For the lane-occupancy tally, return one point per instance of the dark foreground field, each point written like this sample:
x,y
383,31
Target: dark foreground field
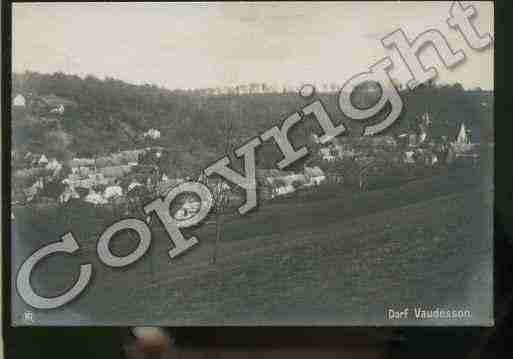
x,y
329,259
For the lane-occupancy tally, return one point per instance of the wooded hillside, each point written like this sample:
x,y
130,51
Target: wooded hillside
x,y
111,115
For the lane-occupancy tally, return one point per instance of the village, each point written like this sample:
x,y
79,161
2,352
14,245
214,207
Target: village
x,y
124,179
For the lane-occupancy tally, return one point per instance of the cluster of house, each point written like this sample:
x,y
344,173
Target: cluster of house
x,y
410,147
152,133
108,179
85,174
46,103
273,183
117,178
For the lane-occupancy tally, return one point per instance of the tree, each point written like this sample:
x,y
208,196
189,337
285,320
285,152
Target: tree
x,y
363,171
297,184
53,188
57,145
219,188
356,173
221,195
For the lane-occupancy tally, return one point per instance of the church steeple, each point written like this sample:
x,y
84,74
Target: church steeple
x,y
463,135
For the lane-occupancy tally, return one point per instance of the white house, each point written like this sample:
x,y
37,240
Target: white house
x,y
59,109
54,103
19,101
133,185
42,160
152,133
78,180
82,162
279,182
112,192
293,178
189,208
281,190
326,154
54,165
315,175
409,157
95,198
68,194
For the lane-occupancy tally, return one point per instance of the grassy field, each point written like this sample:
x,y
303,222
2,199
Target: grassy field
x,y
328,258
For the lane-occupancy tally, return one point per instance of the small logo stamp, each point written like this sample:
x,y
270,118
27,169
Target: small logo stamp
x,y
28,317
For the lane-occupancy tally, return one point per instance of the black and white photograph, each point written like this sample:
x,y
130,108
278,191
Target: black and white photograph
x,y
252,163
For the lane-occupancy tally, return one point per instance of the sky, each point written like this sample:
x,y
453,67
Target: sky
x,y
198,45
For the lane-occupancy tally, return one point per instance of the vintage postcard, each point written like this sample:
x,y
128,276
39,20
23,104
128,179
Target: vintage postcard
x,y
229,164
